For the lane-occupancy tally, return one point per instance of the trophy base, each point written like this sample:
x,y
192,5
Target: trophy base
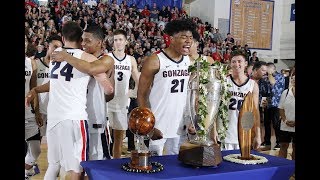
x,y
140,161
200,155
247,158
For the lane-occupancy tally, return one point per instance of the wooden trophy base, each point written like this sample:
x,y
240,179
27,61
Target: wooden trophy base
x,y
140,160
200,155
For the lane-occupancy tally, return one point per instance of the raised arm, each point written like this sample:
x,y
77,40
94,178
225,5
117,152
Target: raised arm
x,y
87,63
149,69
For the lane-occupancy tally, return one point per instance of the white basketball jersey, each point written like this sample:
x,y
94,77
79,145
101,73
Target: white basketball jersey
x,y
238,92
42,78
68,91
96,105
169,93
122,76
28,72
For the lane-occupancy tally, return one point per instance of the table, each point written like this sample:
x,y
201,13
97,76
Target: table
x,y
276,168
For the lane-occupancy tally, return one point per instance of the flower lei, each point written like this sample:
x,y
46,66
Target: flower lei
x,y
235,159
202,102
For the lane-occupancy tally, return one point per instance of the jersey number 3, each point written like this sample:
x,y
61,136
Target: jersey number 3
x,y
65,71
120,76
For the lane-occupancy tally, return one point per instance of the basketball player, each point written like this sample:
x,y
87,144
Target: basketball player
x,y
164,89
33,118
125,66
186,128
194,51
55,41
241,84
67,130
92,42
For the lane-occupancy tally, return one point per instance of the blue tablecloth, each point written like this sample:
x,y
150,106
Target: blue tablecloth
x,y
276,168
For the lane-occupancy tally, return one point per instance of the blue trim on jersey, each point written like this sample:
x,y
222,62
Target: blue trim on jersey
x,y
172,59
43,63
119,59
240,84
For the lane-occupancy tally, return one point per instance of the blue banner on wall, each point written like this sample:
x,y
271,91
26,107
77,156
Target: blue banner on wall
x,y
293,12
141,3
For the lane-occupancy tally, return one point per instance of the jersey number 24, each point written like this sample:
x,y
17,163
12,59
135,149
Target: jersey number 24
x,y
65,71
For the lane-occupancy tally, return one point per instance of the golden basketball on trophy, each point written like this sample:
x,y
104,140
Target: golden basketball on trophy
x,y
141,122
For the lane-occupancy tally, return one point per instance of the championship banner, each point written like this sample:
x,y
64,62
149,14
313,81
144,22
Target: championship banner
x,y
251,22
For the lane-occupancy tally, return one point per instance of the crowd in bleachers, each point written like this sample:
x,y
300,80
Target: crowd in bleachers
x,y
146,35
144,27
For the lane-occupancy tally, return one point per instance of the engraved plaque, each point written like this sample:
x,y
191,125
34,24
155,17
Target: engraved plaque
x,y
247,120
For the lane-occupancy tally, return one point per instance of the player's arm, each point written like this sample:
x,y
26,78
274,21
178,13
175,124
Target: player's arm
x,y
257,138
87,63
102,78
110,76
135,73
35,103
34,92
149,69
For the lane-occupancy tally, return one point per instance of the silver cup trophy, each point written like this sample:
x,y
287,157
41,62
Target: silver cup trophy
x,y
201,150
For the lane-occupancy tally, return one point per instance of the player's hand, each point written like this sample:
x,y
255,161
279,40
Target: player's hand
x,y
264,103
214,136
59,56
191,129
39,120
291,123
156,134
30,96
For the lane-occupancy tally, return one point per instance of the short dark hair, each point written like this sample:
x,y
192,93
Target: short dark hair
x,y
71,31
179,25
96,31
196,36
239,52
271,64
258,65
54,37
120,31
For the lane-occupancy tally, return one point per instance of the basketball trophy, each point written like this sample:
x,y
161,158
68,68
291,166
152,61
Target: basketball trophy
x,y
246,126
202,151
246,133
141,123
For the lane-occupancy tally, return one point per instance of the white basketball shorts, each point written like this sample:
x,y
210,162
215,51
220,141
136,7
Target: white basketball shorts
x,y
68,144
118,120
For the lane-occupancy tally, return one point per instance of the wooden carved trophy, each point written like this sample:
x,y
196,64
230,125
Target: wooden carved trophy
x,y
246,126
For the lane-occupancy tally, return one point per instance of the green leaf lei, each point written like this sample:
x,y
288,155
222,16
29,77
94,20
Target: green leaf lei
x,y
202,102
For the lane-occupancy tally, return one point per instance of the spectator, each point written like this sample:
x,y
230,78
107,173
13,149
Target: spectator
x,y
276,82
287,114
254,57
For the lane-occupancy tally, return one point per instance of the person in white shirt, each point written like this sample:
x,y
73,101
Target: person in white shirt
x,y
287,114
